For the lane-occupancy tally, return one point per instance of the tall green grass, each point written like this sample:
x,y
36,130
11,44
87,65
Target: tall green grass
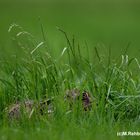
x,y
32,72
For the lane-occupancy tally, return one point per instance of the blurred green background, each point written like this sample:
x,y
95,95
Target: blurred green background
x,y
106,23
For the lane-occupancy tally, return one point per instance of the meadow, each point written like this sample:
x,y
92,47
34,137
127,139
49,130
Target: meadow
x,y
50,47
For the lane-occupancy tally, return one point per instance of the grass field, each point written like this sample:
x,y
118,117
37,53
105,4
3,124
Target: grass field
x,y
50,47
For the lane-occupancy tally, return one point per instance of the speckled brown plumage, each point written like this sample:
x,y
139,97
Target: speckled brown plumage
x,y
75,95
27,107
86,100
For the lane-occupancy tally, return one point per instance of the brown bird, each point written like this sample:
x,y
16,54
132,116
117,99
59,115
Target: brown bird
x,y
75,95
87,101
27,107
